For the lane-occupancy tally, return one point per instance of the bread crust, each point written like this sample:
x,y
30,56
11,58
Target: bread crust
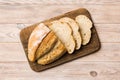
x,y
54,54
46,45
35,39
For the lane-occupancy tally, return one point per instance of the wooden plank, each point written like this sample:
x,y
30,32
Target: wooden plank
x,y
106,32
38,2
14,52
9,33
70,71
103,65
36,13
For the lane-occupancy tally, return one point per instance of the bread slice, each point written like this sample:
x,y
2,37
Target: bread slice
x,y
54,54
46,45
75,28
35,39
64,33
85,25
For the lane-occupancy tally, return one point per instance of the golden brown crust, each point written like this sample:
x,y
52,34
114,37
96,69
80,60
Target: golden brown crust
x,y
35,39
46,45
54,54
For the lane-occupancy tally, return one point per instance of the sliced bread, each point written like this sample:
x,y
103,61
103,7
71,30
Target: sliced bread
x,y
85,25
64,33
35,39
75,28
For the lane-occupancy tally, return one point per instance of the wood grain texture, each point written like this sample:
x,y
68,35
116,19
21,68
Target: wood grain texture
x,y
70,71
60,2
93,45
14,14
107,32
14,52
37,13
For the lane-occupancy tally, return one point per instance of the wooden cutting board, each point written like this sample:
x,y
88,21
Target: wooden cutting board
x,y
92,46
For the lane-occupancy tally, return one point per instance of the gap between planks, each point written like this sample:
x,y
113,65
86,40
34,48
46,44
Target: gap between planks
x,y
108,33
33,14
39,2
73,70
74,61
15,52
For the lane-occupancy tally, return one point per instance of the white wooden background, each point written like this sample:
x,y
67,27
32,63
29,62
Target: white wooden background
x,y
17,14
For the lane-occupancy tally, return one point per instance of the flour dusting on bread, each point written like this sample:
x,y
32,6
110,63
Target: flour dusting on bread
x,y
35,39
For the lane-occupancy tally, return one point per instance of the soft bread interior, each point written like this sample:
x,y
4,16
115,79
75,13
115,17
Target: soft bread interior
x,y
85,25
64,33
75,28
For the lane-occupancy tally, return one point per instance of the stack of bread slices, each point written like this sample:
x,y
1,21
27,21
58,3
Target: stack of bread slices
x,y
48,43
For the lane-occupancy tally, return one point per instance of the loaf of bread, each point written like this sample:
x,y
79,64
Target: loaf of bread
x,y
47,43
35,39
85,25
